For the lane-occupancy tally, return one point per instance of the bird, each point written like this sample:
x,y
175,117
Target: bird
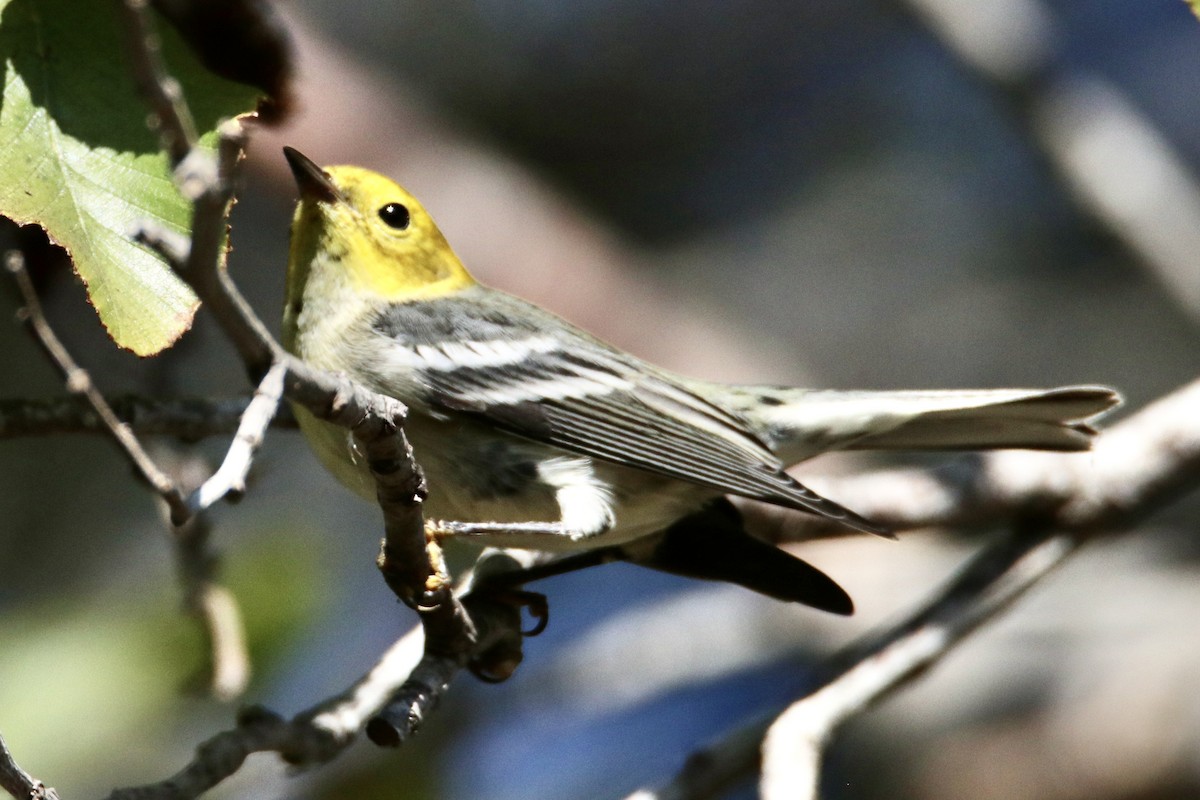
x,y
534,434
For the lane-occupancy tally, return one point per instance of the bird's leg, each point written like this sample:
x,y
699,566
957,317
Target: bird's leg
x,y
585,511
554,531
445,527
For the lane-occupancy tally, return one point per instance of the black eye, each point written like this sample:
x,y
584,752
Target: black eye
x,y
395,215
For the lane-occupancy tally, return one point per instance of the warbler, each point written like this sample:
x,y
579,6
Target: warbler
x,y
534,434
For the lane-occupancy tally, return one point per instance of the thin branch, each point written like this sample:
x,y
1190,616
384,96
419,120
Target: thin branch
x,y
493,649
217,758
793,745
319,734
331,398
712,771
18,782
218,611
408,560
211,603
80,383
230,479
342,717
171,116
187,419
312,737
1121,172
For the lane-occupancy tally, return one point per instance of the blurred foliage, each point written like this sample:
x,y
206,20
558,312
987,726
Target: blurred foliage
x,y
281,586
111,665
79,160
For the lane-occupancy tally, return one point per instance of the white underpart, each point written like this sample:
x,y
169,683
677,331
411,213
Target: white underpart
x,y
449,356
586,502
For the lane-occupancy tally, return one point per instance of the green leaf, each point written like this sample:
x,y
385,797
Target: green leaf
x,y
77,158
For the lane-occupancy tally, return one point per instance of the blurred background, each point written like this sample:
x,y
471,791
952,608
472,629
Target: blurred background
x,y
851,195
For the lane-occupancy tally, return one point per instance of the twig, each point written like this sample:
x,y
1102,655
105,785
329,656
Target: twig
x,y
218,611
790,746
211,603
451,637
1095,141
172,118
80,383
331,398
230,477
205,599
343,716
312,737
219,757
187,419
712,771
493,648
321,733
18,782
794,743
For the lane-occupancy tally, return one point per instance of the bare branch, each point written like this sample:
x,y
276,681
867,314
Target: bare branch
x,y
217,758
712,771
80,383
211,603
205,599
343,716
493,646
1121,171
217,609
18,782
331,398
793,745
1134,468
188,419
322,732
230,478
163,93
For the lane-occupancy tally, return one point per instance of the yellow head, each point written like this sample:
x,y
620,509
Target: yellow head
x,y
367,228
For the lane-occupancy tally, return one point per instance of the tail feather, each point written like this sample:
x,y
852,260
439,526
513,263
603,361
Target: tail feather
x,y
799,424
712,544
1057,419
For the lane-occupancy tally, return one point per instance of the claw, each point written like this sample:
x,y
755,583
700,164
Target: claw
x,y
538,608
535,603
436,529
